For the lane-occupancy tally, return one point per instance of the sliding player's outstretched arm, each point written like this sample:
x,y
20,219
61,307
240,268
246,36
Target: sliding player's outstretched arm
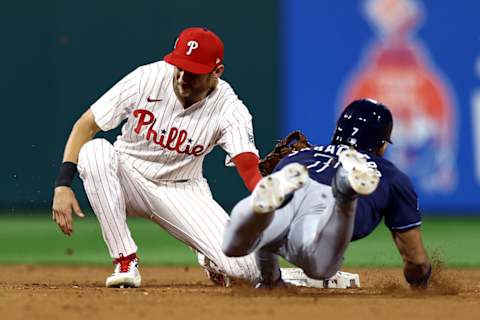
x,y
416,268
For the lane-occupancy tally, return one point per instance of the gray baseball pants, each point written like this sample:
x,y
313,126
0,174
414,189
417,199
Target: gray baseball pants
x,y
312,231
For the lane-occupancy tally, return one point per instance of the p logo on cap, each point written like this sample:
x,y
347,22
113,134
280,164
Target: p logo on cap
x,y
197,50
191,46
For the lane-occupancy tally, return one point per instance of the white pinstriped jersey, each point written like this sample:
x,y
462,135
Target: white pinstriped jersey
x,y
161,139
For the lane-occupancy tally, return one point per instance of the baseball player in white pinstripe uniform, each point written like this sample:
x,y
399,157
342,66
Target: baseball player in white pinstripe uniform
x,y
176,111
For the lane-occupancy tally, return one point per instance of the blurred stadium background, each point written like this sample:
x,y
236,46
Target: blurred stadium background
x,y
295,63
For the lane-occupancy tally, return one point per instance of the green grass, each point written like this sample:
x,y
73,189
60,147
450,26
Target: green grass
x,y
454,241
35,239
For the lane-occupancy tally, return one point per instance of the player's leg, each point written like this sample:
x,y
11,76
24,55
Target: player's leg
x,y
270,271
253,215
98,167
260,222
245,229
320,234
201,222
189,213
247,232
320,240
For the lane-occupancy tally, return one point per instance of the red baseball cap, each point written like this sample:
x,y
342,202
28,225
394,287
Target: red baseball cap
x,y
197,50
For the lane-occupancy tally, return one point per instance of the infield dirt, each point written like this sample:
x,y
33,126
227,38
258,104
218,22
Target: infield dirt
x,y
33,292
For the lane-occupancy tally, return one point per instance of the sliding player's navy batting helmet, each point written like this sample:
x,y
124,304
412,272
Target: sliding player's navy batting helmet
x,y
365,124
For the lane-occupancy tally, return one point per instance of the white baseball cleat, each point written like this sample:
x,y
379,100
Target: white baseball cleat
x,y
270,192
341,280
126,274
362,177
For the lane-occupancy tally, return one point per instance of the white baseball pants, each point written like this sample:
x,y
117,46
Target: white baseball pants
x,y
186,210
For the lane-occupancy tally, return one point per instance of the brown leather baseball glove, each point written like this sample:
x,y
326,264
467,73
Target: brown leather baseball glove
x,y
295,141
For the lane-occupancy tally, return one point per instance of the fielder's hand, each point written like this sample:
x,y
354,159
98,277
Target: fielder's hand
x,y
63,201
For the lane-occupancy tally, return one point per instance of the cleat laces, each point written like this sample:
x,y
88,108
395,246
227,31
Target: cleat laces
x,y
124,262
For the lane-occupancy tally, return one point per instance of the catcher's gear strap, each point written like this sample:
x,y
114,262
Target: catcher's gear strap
x,y
421,282
247,167
67,172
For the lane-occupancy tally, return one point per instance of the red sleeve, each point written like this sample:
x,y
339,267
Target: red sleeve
x,y
247,167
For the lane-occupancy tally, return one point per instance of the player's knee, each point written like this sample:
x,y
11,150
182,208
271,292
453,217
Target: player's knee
x,y
319,274
227,250
319,271
94,155
231,250
235,245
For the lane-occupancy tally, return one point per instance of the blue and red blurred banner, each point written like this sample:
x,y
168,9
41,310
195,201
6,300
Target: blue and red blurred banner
x,y
421,58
